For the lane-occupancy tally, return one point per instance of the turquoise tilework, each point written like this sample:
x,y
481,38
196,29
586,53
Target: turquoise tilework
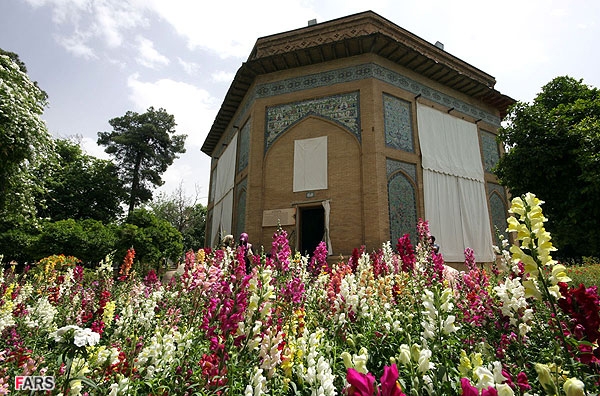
x,y
402,201
342,109
491,154
398,124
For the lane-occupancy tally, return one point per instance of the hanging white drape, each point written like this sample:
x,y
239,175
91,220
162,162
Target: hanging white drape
x,y
310,164
225,181
454,187
327,209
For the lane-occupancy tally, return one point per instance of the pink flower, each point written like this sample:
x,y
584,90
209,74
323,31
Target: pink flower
x,y
490,391
389,382
522,381
467,388
360,384
407,253
318,262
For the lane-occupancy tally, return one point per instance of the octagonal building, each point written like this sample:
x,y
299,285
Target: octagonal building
x,y
348,132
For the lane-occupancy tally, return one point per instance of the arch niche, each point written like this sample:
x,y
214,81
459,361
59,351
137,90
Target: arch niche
x,y
343,191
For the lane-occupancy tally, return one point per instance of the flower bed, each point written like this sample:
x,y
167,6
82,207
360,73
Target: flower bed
x,y
389,322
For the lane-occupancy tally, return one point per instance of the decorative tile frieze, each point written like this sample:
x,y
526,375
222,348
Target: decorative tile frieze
x,y
349,74
342,109
371,70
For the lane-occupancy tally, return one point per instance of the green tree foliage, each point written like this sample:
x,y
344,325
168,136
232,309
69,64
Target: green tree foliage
x,y
155,241
24,139
185,214
553,151
89,240
144,146
80,186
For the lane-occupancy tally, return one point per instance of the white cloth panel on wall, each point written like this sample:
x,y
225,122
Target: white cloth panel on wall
x,y
454,190
310,164
223,209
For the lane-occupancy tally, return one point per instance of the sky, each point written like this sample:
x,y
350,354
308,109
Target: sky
x,y
98,59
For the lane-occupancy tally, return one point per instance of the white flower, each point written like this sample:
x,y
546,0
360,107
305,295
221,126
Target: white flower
x,y
404,357
83,337
424,363
449,326
485,378
504,390
58,334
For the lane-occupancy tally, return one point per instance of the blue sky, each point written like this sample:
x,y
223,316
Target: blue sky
x,y
97,59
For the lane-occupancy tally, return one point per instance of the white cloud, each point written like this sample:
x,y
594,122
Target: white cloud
x,y
90,147
106,20
76,45
190,68
222,76
148,55
194,108
229,32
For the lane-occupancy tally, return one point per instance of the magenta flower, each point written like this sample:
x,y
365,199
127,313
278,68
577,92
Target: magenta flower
x,y
318,262
467,388
490,391
360,384
389,382
364,384
522,381
407,253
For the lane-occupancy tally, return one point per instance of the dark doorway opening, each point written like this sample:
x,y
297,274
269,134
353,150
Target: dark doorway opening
x,y
312,228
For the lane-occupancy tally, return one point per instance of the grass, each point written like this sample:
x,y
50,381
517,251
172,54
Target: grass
x,y
587,273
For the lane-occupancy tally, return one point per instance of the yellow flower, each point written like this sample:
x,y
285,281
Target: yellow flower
x,y
517,206
109,312
476,360
532,200
347,359
531,289
465,364
200,256
559,274
545,378
527,260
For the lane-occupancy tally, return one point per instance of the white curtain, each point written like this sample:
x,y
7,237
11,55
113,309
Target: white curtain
x,y
327,209
454,188
310,164
225,181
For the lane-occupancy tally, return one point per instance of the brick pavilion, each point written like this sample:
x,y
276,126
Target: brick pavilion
x,y
348,132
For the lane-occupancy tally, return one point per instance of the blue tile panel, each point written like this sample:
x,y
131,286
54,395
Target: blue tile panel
x,y
342,109
397,124
498,209
240,210
244,147
491,154
402,201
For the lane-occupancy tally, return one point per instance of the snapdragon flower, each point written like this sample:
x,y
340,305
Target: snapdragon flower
x,y
81,337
